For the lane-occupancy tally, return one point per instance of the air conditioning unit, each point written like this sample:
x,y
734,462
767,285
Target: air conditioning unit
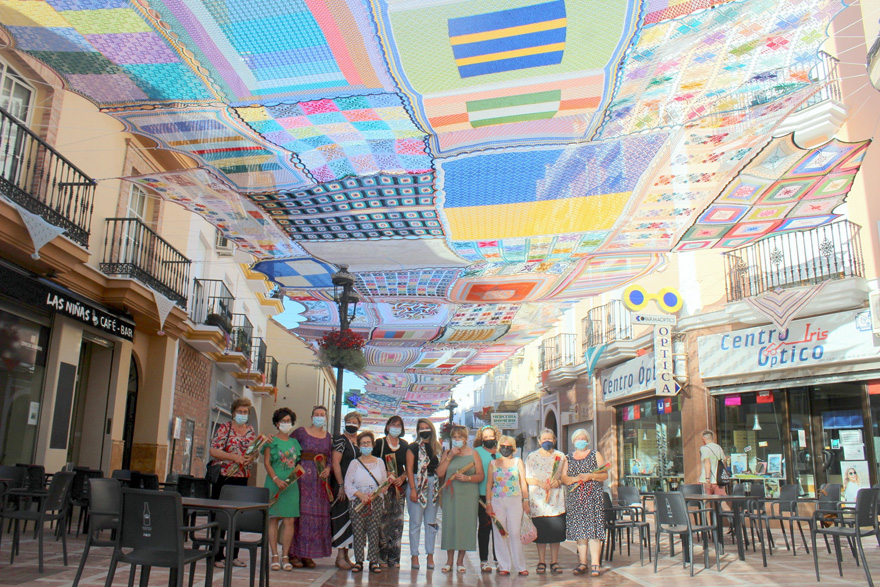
x,y
874,305
223,245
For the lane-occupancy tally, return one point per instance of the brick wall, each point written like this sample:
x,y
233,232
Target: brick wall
x,y
192,401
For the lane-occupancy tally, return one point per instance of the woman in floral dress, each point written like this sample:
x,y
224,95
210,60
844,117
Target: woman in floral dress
x,y
585,519
311,537
544,470
281,457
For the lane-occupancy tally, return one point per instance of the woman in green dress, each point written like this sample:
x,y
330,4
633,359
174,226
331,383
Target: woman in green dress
x,y
463,469
281,457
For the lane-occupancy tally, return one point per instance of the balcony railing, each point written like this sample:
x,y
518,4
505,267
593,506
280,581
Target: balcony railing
x,y
271,371
606,324
240,336
258,353
825,73
211,304
39,179
558,352
791,259
133,250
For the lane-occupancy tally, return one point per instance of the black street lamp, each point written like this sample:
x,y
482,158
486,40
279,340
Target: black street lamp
x,y
451,407
343,284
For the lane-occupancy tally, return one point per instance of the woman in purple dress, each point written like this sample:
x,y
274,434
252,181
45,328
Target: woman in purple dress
x,y
312,534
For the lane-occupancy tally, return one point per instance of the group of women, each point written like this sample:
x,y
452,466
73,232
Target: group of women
x,y
349,492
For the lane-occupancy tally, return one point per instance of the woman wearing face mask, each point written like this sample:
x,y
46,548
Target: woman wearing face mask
x,y
507,498
391,526
311,538
344,452
585,519
281,457
461,499
424,489
547,499
365,475
231,441
486,444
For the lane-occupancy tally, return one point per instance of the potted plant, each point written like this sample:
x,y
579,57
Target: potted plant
x,y
219,320
242,342
342,349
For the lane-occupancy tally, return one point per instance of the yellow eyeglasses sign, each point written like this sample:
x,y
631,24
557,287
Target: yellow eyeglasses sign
x,y
636,298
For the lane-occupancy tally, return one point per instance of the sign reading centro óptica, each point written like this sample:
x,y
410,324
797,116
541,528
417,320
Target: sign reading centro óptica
x,y
821,340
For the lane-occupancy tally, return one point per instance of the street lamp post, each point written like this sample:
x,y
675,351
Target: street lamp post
x,y
343,284
451,407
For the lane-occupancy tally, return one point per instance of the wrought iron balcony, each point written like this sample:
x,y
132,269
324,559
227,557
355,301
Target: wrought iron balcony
x,y
606,324
794,259
558,352
39,179
258,354
271,371
132,249
240,336
211,304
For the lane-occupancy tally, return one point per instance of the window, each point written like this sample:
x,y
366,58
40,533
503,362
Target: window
x,y
16,96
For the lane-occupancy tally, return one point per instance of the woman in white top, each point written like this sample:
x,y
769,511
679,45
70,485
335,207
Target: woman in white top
x,y
544,470
364,476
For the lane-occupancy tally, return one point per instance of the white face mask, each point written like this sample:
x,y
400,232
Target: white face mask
x,y
241,419
285,427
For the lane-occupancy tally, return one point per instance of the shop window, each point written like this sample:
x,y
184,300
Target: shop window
x,y
651,444
23,346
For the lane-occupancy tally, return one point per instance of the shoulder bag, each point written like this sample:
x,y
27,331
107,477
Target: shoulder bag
x,y
212,470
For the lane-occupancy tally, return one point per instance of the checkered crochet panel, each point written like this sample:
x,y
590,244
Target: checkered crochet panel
x,y
375,207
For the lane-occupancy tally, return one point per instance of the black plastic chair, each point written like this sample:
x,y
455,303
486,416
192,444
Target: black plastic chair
x,y
672,516
79,495
104,509
252,522
15,475
151,534
123,475
52,508
852,524
786,509
148,481
623,517
185,485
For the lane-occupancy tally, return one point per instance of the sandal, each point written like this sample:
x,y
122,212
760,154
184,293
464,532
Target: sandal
x,y
524,573
309,563
375,568
285,564
461,569
415,562
296,562
503,573
595,571
581,569
541,569
357,568
485,567
446,569
555,569
275,566
238,563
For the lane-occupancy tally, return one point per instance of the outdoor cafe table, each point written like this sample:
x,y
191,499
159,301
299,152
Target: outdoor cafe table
x,y
231,509
736,502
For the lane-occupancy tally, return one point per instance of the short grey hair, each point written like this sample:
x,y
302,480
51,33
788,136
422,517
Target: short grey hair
x,y
547,431
580,432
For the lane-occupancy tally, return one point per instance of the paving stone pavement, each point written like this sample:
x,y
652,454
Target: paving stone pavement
x,y
783,569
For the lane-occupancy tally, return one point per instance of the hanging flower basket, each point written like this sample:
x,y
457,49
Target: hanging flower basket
x,y
342,349
444,430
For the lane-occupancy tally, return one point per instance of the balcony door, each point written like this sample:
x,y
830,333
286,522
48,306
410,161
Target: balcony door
x,y
132,242
16,98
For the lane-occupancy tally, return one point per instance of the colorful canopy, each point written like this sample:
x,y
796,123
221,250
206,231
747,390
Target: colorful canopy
x,y
478,165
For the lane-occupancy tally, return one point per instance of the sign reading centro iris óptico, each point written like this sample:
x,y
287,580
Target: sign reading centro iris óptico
x,y
820,340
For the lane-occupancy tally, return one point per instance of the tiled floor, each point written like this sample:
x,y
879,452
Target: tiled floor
x,y
783,569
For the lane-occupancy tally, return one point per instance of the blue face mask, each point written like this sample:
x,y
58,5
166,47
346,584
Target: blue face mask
x,y
366,450
241,419
547,445
319,421
580,444
394,431
457,443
